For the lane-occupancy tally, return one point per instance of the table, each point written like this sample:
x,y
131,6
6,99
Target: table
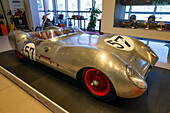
x,y
79,22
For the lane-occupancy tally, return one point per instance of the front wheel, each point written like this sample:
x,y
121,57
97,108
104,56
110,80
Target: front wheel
x,y
98,85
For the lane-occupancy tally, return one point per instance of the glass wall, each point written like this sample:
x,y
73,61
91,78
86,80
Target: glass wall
x,y
99,4
61,5
161,12
68,8
49,4
85,5
72,5
40,4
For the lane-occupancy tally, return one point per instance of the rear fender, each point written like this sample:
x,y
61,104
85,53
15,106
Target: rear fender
x,y
17,39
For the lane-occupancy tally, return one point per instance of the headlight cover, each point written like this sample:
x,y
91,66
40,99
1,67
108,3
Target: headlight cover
x,y
135,77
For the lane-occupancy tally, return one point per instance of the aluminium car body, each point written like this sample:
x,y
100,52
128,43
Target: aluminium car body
x,y
124,61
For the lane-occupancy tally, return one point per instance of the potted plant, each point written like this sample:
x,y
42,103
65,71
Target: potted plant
x,y
93,17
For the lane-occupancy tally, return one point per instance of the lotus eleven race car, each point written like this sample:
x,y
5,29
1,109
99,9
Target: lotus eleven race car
x,y
107,66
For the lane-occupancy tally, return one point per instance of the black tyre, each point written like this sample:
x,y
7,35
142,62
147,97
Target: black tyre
x,y
38,28
98,85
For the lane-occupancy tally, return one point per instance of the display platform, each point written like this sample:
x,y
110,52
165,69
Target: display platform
x,y
68,93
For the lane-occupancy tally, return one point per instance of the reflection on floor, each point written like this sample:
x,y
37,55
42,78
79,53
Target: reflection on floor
x,y
162,49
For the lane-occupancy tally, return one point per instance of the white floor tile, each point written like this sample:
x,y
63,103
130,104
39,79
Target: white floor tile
x,y
29,106
4,82
15,100
11,97
1,111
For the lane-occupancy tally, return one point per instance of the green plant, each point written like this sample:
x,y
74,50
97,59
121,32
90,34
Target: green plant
x,y
93,17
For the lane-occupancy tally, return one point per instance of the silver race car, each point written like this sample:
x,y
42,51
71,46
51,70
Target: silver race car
x,y
107,66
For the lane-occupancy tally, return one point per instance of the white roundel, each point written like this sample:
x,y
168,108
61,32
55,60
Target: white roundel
x,y
120,42
29,51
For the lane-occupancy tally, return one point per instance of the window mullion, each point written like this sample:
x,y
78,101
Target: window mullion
x,y
54,9
45,7
155,10
130,11
78,7
79,13
93,1
66,9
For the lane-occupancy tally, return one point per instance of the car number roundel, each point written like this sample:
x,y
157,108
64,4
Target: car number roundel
x,y
29,51
120,42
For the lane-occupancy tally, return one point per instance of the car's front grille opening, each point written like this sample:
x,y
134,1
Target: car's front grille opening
x,y
149,69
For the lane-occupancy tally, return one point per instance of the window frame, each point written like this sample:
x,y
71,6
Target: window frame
x,y
57,12
151,13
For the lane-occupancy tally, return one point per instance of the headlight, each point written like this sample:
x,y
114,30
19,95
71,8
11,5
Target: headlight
x,y
135,77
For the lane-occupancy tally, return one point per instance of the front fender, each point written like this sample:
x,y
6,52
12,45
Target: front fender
x,y
74,59
145,52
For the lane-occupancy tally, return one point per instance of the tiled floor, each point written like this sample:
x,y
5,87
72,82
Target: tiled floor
x,y
13,99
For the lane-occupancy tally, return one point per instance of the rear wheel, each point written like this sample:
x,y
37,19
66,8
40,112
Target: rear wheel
x,y
98,84
19,55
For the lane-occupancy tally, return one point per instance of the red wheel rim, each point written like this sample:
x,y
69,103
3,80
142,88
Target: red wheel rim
x,y
97,82
19,55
